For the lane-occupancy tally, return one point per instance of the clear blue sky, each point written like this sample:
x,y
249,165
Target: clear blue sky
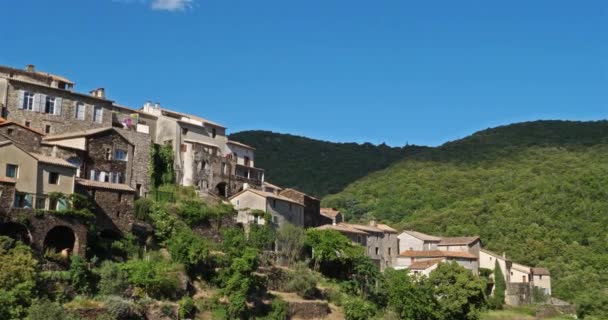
x,y
397,71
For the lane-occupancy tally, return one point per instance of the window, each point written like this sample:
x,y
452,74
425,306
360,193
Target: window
x,y
116,178
10,131
12,170
213,132
377,251
389,251
28,123
41,203
49,105
108,154
290,207
184,131
53,178
274,203
247,161
47,128
53,203
80,111
120,155
98,114
359,239
28,101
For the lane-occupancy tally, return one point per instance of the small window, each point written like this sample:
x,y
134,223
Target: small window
x,y
377,251
28,123
389,251
12,171
47,128
184,131
53,203
49,105
98,114
53,178
274,203
10,131
120,155
28,101
108,154
41,203
80,111
213,132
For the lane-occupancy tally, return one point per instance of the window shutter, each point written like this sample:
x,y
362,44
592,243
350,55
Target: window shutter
x,y
92,175
36,106
21,98
42,103
58,106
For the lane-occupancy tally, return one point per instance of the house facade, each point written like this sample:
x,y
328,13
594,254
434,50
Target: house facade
x,y
282,209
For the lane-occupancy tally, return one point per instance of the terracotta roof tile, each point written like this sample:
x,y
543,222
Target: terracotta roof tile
x,y
422,236
423,265
330,212
540,271
104,185
52,160
437,254
341,228
457,240
236,143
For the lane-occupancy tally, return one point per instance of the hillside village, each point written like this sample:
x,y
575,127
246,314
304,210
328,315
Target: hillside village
x,y
57,145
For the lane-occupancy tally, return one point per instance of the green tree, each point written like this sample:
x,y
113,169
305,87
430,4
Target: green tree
x,y
460,294
331,248
18,270
356,308
291,240
411,299
500,286
187,248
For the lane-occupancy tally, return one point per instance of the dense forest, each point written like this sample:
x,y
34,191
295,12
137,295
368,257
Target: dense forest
x,y
537,191
317,167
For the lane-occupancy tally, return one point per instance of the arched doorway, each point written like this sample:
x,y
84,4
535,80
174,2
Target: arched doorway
x,y
221,189
16,231
61,239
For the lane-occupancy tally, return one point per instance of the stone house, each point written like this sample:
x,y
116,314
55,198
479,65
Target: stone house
x,y
25,137
541,278
312,207
333,215
413,240
282,209
379,240
463,258
460,244
203,155
36,176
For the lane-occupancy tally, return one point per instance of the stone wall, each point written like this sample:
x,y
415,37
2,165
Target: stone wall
x,y
99,146
518,294
114,209
60,123
140,162
7,194
22,137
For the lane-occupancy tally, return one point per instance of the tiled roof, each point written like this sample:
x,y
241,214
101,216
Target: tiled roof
x,y
6,123
285,193
197,118
364,227
203,143
386,228
104,185
7,180
457,240
495,255
341,228
236,143
437,254
330,212
422,236
521,267
84,133
540,272
423,265
274,186
265,195
52,160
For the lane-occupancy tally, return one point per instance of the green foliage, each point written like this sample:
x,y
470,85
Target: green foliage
x,y
161,157
45,310
332,252
239,282
143,206
119,308
78,205
539,296
411,299
356,308
317,167
113,280
301,281
186,308
127,246
81,276
187,248
533,190
262,236
279,310
156,276
17,278
291,242
164,222
500,286
460,294
193,212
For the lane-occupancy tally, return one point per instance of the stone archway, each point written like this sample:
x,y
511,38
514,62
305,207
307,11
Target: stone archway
x,y
61,238
222,189
16,231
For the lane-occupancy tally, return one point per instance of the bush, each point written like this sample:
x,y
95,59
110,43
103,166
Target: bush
x,y
142,208
188,248
123,309
358,309
112,279
17,278
193,212
45,309
156,276
81,276
279,310
303,282
186,307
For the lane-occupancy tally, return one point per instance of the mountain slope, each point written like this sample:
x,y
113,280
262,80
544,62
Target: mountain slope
x,y
537,191
317,167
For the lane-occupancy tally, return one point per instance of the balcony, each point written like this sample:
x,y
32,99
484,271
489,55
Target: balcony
x,y
249,174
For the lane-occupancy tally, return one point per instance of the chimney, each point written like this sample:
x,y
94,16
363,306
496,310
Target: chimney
x,y
372,222
504,255
30,68
99,93
156,105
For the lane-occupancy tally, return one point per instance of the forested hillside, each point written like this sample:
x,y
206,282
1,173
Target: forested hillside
x,y
317,167
537,191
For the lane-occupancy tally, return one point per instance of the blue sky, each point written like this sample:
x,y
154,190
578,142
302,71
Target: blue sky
x,y
396,71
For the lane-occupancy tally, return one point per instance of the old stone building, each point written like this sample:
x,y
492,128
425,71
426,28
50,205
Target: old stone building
x,y
312,207
203,155
282,209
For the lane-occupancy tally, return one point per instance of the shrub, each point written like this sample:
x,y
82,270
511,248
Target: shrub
x,y
122,309
193,212
498,299
17,278
303,282
188,248
155,275
81,276
358,309
279,310
112,279
186,307
142,208
45,309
